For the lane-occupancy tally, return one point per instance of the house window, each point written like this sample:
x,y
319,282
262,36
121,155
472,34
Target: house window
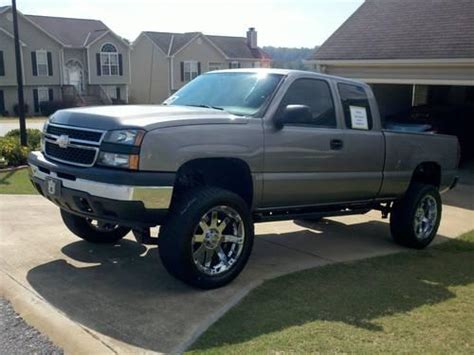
x,y
42,63
190,70
109,60
2,64
214,66
234,65
43,95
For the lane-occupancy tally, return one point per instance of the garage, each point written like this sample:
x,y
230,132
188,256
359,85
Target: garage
x,y
418,56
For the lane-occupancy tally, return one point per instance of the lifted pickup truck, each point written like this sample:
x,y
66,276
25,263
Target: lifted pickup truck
x,y
232,148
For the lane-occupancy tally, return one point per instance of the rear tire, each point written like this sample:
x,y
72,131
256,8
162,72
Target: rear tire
x,y
415,219
208,237
93,231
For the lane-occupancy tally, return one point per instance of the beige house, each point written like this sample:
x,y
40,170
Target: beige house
x,y
62,59
418,57
163,62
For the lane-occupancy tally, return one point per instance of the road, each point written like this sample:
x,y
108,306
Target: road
x,y
17,337
7,125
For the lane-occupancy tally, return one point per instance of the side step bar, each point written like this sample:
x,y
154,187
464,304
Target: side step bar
x,y
282,215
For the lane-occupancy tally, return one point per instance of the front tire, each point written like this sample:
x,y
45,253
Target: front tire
x,y
208,238
93,231
415,219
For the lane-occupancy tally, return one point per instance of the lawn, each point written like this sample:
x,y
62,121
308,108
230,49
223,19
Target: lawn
x,y
412,302
16,182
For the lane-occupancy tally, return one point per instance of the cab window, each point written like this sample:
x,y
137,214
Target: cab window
x,y
315,94
355,104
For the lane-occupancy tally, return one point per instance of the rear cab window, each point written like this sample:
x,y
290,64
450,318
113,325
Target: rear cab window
x,y
356,106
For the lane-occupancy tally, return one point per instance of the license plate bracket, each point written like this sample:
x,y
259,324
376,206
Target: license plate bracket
x,y
53,187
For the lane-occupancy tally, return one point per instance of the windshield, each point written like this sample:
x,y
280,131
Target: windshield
x,y
238,93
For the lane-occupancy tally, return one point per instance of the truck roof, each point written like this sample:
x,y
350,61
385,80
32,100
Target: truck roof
x,y
288,72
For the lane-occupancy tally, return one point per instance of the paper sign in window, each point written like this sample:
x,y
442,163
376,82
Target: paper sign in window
x,y
359,117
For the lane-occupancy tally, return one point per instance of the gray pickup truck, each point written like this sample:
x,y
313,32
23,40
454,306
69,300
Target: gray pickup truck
x,y
232,148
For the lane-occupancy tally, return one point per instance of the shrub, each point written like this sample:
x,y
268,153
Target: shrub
x,y
12,151
33,137
16,109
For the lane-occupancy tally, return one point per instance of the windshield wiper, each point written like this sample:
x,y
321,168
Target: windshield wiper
x,y
207,106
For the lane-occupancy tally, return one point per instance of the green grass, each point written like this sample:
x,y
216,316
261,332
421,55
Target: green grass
x,y
16,182
412,302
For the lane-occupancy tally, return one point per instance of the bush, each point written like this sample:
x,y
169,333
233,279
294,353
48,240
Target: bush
x,y
13,152
47,108
16,109
33,137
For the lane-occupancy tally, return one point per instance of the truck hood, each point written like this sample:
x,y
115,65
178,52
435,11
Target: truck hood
x,y
147,117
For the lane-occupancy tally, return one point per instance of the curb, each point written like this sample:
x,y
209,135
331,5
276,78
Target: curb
x,y
15,168
72,337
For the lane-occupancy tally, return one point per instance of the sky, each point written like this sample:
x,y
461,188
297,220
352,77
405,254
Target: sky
x,y
280,23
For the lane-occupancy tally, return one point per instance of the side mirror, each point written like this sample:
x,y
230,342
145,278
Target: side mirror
x,y
294,114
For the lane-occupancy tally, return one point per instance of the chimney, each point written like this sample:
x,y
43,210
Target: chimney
x,y
252,38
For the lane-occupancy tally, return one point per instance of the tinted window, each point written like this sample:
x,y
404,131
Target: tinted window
x,y
356,106
2,103
315,94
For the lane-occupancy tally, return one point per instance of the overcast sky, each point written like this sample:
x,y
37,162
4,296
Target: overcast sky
x,y
284,23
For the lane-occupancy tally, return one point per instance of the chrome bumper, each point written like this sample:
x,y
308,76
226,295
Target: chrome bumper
x,y
152,197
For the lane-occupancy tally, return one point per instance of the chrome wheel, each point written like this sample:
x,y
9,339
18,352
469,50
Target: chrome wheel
x,y
425,217
218,240
101,226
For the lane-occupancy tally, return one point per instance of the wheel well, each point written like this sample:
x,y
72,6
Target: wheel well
x,y
228,173
427,173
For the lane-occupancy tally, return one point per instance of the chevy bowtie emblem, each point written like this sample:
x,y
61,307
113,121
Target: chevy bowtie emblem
x,y
63,141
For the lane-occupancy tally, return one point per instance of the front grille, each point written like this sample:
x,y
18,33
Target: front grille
x,y
74,133
73,155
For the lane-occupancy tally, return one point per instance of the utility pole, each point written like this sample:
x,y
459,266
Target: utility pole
x,y
19,77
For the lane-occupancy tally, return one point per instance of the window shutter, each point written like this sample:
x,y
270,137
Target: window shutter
x,y
117,93
51,94
238,65
2,103
120,64
50,64
199,68
2,64
230,65
97,60
35,100
33,64
182,71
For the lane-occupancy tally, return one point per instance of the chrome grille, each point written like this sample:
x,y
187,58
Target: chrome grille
x,y
72,145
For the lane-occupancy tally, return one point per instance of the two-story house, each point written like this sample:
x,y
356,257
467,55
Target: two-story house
x,y
163,62
62,59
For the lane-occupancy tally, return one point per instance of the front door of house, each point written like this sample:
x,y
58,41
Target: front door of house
x,y
75,75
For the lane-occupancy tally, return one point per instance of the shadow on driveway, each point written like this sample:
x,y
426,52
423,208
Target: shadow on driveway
x,y
124,292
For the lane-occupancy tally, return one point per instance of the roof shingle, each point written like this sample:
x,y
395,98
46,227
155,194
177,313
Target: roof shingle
x,y
404,29
233,47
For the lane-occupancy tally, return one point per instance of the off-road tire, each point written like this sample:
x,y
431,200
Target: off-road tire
x,y
402,217
83,229
176,235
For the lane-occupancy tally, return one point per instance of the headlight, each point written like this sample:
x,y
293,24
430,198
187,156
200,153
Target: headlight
x,y
128,136
124,161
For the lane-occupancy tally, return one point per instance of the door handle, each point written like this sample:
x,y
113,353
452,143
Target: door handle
x,y
336,144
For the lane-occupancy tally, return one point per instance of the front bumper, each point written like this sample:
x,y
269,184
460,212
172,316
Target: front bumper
x,y
134,199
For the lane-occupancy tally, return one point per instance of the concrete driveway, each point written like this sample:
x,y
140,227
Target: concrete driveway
x,y
105,299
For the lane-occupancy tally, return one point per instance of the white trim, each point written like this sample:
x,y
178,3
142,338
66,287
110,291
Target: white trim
x,y
87,39
393,62
129,69
171,45
416,81
108,31
11,36
110,55
89,66
148,37
186,44
61,66
171,75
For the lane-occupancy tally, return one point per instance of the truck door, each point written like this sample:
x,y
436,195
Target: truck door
x,y
317,162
